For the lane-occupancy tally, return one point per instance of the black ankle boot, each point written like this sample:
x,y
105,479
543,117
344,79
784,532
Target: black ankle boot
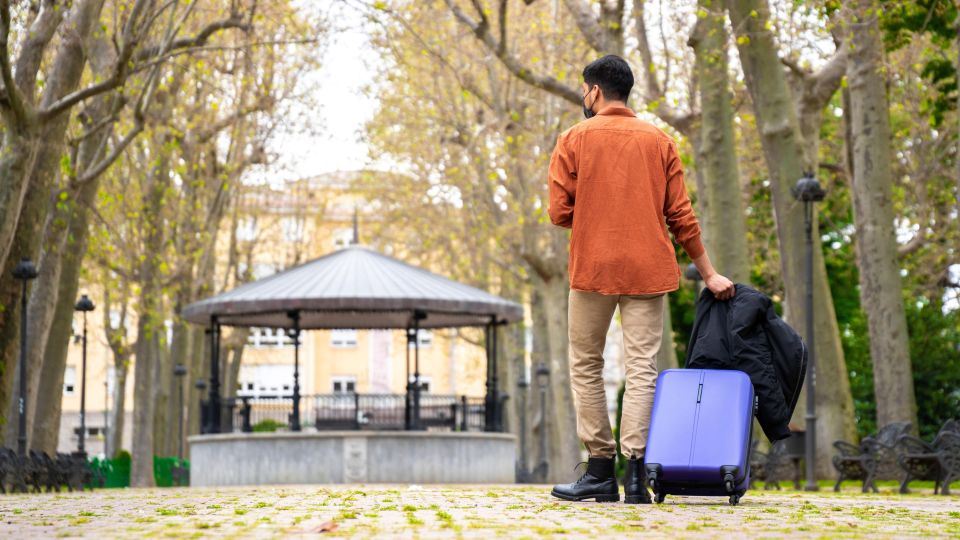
x,y
634,487
599,483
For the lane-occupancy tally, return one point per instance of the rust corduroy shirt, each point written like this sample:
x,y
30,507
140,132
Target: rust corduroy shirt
x,y
617,182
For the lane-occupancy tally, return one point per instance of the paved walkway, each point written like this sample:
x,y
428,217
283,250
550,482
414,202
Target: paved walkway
x,y
461,511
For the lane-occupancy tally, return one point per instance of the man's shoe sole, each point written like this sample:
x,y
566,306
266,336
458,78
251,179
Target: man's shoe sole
x,y
605,497
636,499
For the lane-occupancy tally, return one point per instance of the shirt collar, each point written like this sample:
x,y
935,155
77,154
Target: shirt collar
x,y
614,110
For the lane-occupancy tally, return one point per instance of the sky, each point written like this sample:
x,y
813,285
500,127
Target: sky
x,y
347,66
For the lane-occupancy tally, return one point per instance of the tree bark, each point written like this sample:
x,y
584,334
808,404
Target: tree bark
x,y
880,288
64,78
782,147
718,150
149,323
561,421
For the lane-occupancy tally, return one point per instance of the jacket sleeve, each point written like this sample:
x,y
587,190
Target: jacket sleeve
x,y
562,180
677,208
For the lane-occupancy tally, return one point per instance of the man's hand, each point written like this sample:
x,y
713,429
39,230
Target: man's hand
x,y
721,287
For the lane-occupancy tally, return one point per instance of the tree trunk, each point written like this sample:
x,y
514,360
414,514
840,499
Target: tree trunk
x,y
19,155
717,158
149,322
64,77
563,445
119,399
26,244
46,425
144,391
880,289
780,138
51,305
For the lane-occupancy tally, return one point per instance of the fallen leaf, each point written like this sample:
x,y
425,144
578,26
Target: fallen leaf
x,y
327,526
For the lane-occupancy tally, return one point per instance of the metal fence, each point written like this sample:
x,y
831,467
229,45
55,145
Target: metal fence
x,y
354,411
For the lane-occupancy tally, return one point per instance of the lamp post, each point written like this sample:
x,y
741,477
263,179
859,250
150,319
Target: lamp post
x,y
543,381
84,305
179,371
808,191
24,271
295,335
523,471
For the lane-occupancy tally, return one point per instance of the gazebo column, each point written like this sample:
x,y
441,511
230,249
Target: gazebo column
x,y
491,401
295,334
214,409
418,315
408,396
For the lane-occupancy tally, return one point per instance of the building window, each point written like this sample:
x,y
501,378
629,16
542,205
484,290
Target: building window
x,y
69,380
268,337
265,380
344,385
343,339
342,238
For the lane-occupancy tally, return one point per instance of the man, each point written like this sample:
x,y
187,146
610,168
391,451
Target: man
x,y
617,182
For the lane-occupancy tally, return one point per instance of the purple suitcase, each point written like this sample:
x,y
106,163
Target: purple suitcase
x,y
700,432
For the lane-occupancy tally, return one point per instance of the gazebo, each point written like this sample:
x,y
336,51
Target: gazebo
x,y
353,288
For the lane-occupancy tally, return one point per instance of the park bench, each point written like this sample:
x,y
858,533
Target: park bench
x,y
874,458
38,471
921,460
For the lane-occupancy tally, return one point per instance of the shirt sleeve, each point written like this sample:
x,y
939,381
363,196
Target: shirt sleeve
x,y
562,180
677,209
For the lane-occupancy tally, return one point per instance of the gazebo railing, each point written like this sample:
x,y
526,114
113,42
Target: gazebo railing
x,y
354,411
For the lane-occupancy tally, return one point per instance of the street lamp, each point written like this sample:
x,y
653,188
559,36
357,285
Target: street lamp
x,y
523,472
179,371
179,471
84,305
808,191
543,381
24,271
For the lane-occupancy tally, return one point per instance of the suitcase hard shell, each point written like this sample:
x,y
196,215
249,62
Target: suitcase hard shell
x,y
700,433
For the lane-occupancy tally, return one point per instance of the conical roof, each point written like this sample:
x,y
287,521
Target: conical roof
x,y
355,287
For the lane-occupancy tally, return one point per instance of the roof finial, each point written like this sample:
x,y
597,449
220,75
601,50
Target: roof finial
x,y
356,227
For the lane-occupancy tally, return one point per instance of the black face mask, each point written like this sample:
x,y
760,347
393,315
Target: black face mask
x,y
587,111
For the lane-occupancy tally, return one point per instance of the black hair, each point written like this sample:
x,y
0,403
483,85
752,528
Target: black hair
x,y
612,74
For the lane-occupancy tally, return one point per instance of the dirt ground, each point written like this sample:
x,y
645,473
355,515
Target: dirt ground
x,y
463,511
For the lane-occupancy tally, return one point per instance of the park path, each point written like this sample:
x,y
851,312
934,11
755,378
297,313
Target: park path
x,y
461,511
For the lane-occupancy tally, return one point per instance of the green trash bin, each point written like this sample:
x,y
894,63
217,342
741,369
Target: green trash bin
x,y
117,471
171,471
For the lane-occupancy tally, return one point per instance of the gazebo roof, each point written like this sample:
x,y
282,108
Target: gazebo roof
x,y
355,287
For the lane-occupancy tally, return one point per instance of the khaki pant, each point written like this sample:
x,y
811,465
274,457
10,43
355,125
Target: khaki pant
x,y
642,321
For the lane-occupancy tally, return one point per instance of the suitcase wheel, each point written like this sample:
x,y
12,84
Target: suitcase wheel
x,y
658,497
734,499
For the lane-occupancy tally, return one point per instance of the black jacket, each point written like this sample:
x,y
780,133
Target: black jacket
x,y
746,334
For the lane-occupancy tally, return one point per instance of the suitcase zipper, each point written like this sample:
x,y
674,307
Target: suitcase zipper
x,y
699,392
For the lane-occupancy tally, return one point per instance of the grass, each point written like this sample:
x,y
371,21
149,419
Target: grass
x,y
507,511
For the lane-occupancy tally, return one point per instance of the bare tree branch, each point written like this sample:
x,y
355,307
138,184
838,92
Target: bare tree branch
x,y
14,99
481,29
33,44
589,26
653,92
121,70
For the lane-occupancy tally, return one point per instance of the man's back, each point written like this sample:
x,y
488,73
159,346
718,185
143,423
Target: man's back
x,y
625,179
